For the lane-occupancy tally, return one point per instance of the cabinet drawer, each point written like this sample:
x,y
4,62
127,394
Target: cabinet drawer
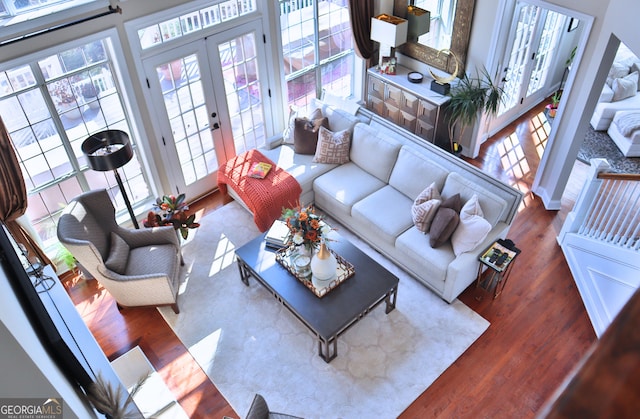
x,y
407,120
394,96
424,130
427,111
375,105
376,88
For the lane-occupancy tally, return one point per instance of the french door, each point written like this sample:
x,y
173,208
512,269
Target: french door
x,y
208,97
530,53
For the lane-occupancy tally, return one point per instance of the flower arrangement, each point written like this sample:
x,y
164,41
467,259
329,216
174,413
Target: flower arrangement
x,y
307,228
171,210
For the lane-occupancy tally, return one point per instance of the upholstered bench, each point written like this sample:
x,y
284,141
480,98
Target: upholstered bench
x,y
625,132
265,197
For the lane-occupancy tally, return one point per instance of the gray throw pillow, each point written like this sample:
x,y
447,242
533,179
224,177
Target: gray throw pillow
x,y
305,134
445,221
625,87
118,255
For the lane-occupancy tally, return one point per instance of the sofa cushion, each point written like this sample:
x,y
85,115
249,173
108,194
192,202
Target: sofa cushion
x,y
373,152
445,221
118,254
414,252
300,166
337,196
333,147
413,171
375,219
472,228
625,87
305,134
425,206
339,119
493,206
617,70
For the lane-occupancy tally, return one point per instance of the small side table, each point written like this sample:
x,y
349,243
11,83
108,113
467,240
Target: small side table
x,y
500,267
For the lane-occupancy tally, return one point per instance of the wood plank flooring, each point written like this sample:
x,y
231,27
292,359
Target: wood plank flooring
x,y
539,328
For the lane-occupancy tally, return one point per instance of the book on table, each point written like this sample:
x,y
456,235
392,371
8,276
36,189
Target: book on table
x,y
278,235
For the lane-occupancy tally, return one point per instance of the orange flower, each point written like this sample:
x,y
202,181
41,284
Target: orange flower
x,y
312,235
303,216
315,224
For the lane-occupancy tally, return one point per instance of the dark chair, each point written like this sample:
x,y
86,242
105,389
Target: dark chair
x,y
260,410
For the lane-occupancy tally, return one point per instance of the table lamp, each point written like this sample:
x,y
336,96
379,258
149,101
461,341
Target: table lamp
x,y
110,150
390,31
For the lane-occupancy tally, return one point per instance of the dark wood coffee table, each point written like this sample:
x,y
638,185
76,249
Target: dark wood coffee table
x,y
333,314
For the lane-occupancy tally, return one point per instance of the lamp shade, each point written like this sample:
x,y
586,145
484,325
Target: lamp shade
x,y
389,30
107,150
419,22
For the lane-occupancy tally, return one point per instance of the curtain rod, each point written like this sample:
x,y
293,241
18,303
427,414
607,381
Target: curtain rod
x,y
111,10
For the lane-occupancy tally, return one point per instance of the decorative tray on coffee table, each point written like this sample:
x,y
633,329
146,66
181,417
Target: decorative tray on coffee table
x,y
345,271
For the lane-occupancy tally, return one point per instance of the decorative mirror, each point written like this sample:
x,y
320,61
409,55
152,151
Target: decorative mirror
x,y
459,39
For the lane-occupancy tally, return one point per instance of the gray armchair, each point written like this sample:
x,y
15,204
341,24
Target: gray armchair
x,y
260,410
137,267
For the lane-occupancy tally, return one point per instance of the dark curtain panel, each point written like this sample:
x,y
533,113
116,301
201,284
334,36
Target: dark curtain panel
x,y
13,203
361,12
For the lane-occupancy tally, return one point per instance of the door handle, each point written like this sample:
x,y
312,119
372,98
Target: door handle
x,y
213,114
215,126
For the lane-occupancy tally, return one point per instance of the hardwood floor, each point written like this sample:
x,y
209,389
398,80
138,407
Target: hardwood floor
x,y
539,328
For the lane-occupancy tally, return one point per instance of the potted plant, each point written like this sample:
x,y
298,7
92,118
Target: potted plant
x,y
553,106
468,98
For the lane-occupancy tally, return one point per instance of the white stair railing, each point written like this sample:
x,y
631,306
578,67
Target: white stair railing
x,y
607,209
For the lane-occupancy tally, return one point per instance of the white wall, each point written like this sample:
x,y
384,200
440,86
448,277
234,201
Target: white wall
x,y
27,369
614,18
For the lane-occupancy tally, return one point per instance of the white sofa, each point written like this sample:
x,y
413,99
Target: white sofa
x,y
373,193
615,95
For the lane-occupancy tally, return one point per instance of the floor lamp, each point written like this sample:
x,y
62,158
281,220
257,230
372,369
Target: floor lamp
x,y
110,150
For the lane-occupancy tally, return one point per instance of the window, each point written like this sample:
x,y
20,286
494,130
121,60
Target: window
x,y
17,11
317,49
50,107
441,28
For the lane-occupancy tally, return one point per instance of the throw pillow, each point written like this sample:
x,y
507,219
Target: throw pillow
x,y
617,70
425,206
287,134
118,255
635,67
333,147
472,228
305,134
625,87
445,221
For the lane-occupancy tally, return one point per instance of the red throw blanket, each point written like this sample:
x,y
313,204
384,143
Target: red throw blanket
x,y
265,197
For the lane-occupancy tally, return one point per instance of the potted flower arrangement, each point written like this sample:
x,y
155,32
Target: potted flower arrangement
x,y
552,107
171,210
307,228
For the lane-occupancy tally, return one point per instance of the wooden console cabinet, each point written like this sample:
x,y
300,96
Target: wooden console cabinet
x,y
413,106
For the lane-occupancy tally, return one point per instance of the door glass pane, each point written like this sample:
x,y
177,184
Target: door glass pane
x,y
548,42
184,102
242,91
519,56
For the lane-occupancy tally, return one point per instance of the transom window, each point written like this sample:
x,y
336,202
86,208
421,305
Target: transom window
x,y
171,29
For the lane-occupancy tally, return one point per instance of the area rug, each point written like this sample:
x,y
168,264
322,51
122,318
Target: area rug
x,y
247,343
598,144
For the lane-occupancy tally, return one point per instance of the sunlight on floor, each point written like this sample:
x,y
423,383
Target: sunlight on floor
x,y
224,255
540,130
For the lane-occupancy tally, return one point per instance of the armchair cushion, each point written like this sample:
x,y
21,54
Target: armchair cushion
x,y
118,254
